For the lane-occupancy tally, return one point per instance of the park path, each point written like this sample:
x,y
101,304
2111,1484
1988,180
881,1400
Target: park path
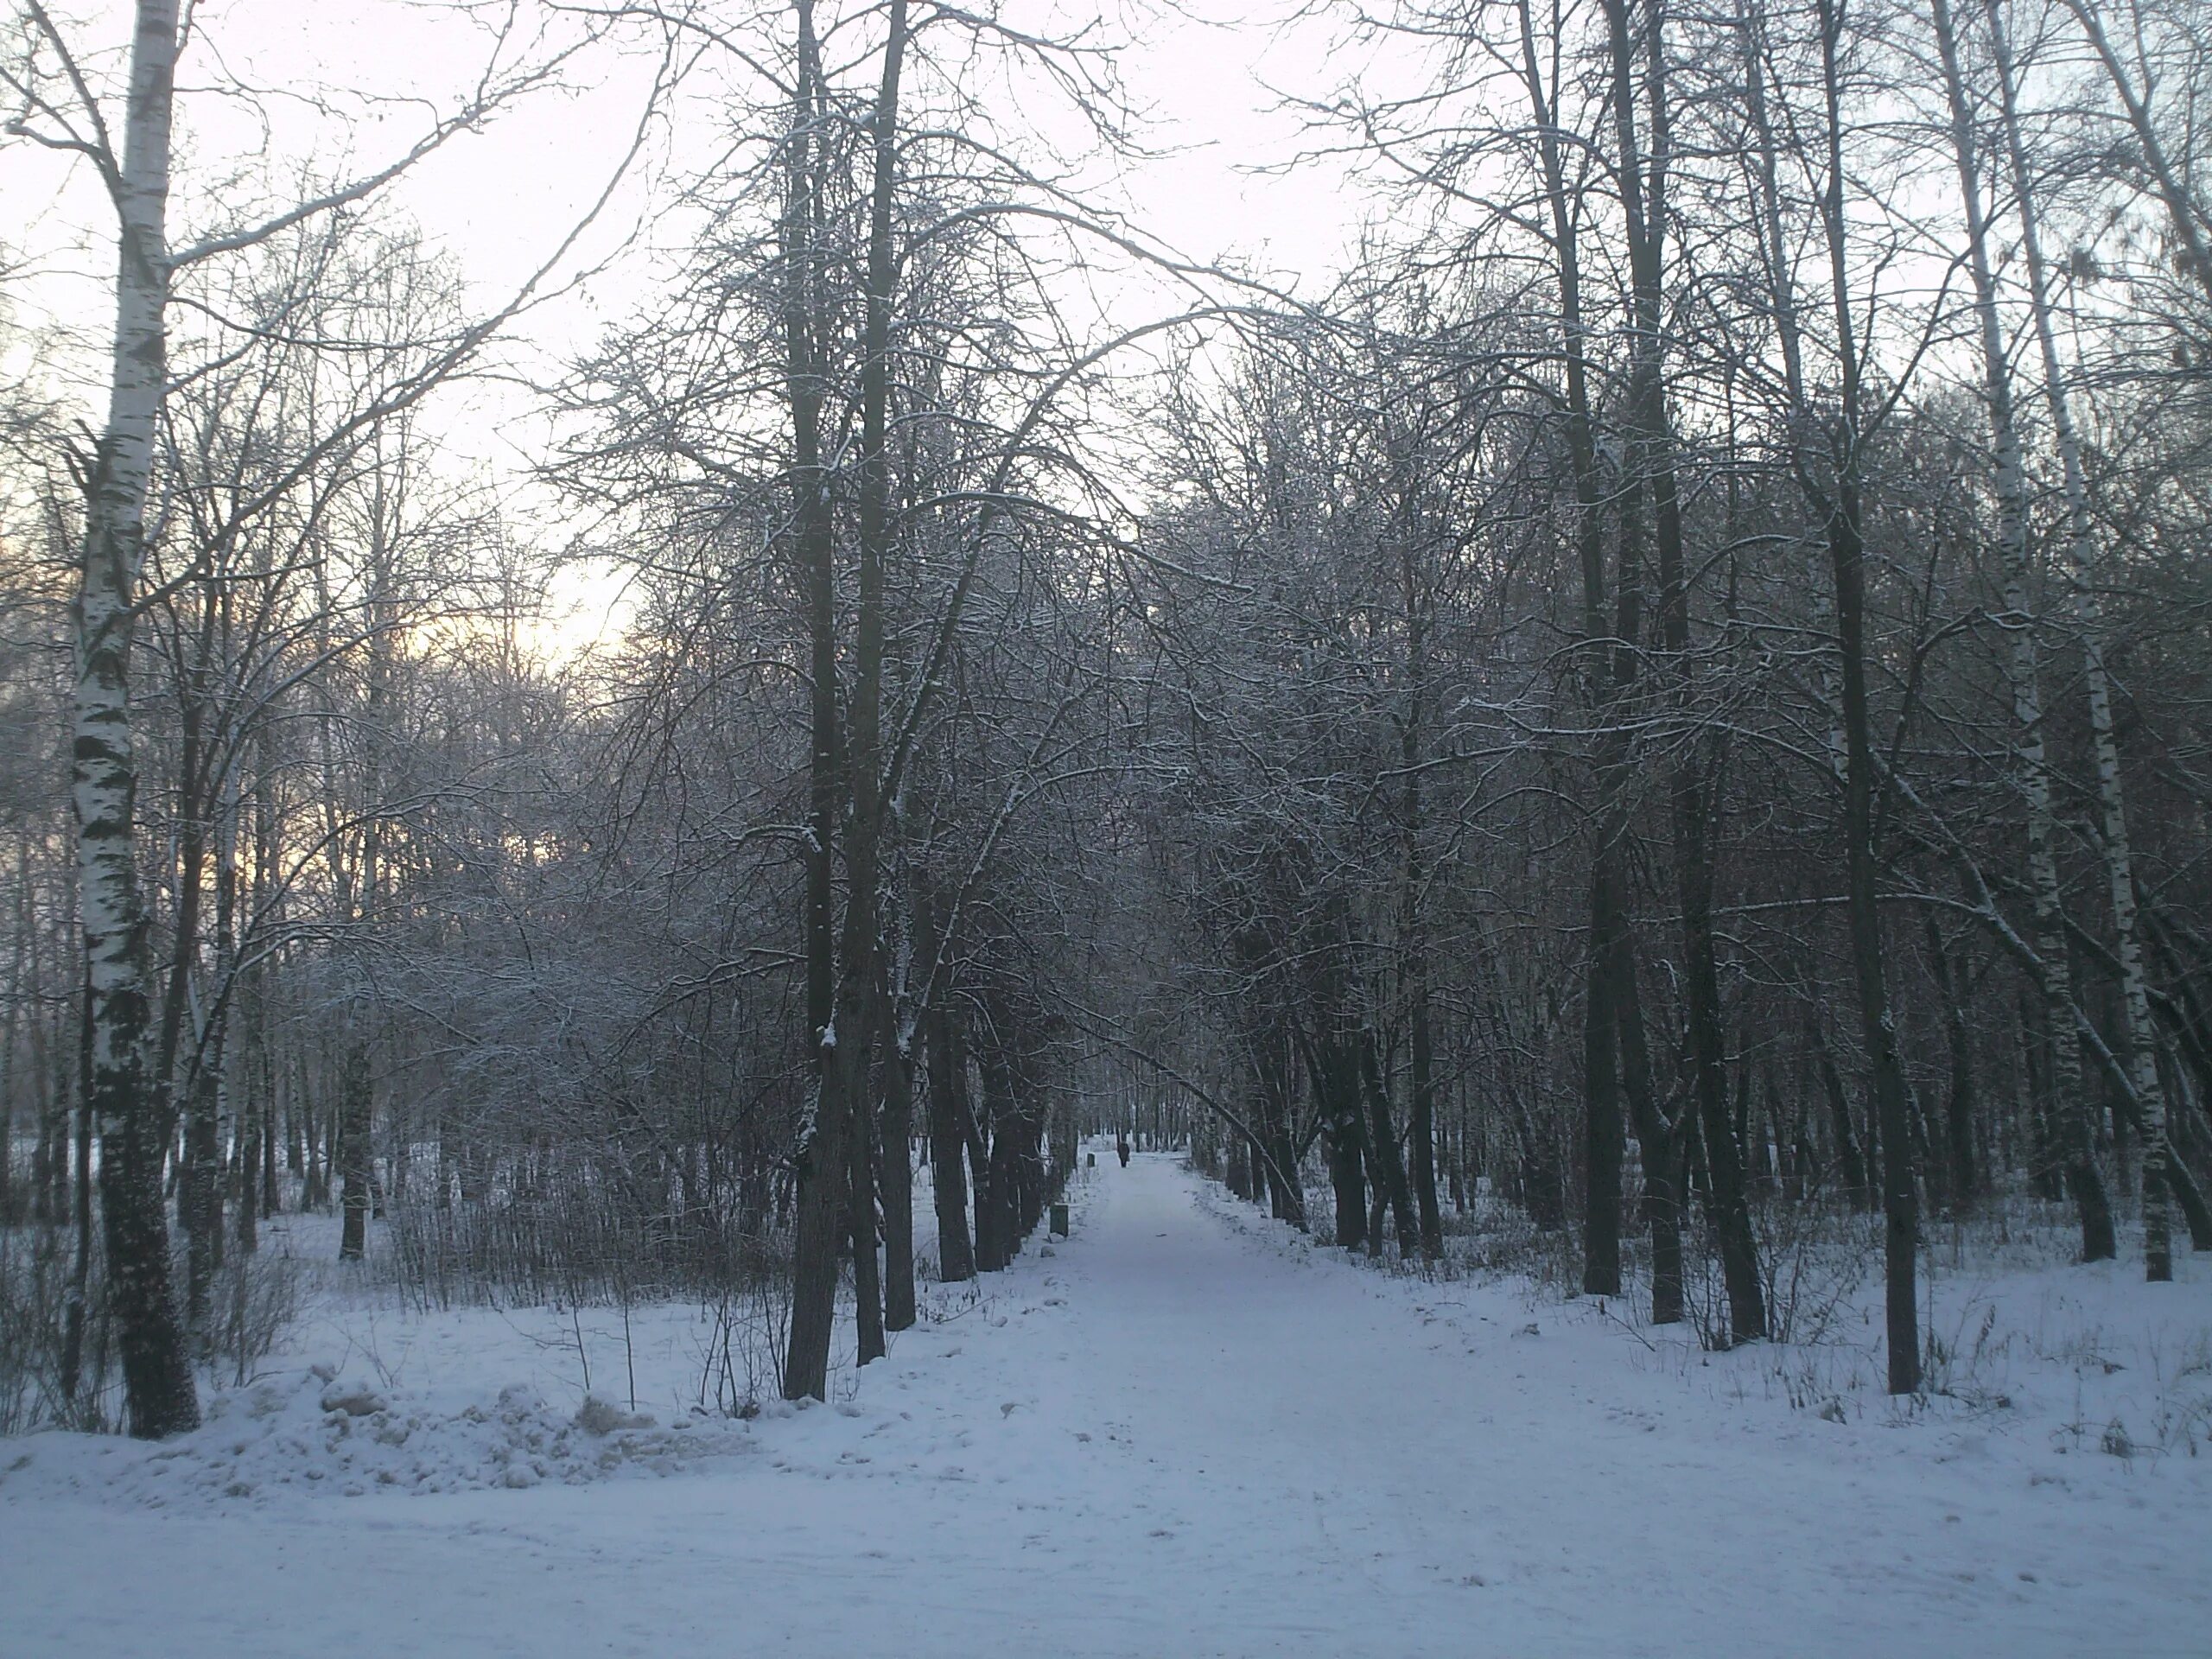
x,y
1183,1430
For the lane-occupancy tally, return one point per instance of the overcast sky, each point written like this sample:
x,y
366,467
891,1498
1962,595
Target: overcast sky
x,y
351,82
499,199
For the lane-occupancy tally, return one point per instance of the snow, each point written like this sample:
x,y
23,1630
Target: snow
x,y
318,1426
1184,1431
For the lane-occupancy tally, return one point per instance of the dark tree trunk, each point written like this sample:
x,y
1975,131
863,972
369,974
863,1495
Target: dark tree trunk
x,y
1336,1086
998,1229
356,1094
860,1017
950,1118
1660,1142
1851,1164
10,1211
982,1179
1846,552
1279,1165
246,1175
1604,1136
1960,1175
1645,212
895,1178
1543,1186
271,1196
1604,678
78,1305
2191,1199
1414,906
860,1224
201,1204
1423,1127
821,1213
50,1162
1383,1139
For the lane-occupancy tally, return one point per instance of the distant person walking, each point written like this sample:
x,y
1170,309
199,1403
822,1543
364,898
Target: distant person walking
x,y
1121,1146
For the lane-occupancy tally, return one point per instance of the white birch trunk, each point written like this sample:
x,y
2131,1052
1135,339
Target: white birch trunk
x,y
2080,548
124,1099
2078,1148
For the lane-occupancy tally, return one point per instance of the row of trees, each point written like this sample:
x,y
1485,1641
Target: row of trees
x,y
1672,697
1736,491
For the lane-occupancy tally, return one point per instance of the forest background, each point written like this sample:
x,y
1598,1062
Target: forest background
x,y
618,638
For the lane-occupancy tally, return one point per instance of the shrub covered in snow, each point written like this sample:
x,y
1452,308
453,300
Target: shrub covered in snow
x,y
318,1428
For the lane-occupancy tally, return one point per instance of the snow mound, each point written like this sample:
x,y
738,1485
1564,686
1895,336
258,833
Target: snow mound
x,y
318,1431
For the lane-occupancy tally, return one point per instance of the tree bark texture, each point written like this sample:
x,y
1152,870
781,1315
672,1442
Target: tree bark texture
x,y
124,1100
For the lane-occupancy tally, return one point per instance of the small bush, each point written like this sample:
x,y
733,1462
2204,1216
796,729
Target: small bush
x,y
56,1358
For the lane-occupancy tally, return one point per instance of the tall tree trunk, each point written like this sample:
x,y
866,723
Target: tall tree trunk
x,y
50,1161
1423,1126
1643,200
1604,1137
848,1043
1660,1141
1851,1161
355,1111
895,1180
1847,553
1275,1156
820,1211
948,1108
8,1211
1961,1180
199,1196
860,1195
211,1095
354,1121
125,1102
981,1134
192,1103
1383,1137
998,1234
2081,549
860,1014
78,1307
1414,917
1336,1089
1604,1145
2069,1106
169,1059
257,1171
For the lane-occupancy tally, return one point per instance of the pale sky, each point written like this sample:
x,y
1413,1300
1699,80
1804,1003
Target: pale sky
x,y
501,200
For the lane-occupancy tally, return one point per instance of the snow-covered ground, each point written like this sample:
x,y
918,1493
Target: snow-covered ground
x,y
1184,1431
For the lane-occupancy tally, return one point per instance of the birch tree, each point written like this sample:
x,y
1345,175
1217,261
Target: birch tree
x,y
127,143
2083,578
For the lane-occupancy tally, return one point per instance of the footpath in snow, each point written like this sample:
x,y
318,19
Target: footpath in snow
x,y
1185,1432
